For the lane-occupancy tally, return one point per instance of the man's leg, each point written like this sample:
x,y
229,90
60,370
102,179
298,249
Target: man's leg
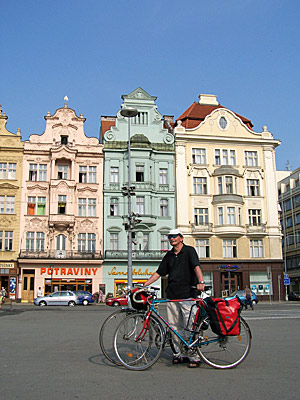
x,y
186,307
174,317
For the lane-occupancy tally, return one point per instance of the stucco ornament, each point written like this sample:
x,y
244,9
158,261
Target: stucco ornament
x,y
169,138
109,136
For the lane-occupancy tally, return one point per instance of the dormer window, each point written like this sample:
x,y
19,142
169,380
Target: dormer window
x,y
64,139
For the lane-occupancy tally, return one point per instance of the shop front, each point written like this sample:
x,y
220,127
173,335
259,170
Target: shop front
x,y
9,278
115,276
56,277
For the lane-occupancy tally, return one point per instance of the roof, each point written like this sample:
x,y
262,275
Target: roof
x,y
196,113
107,123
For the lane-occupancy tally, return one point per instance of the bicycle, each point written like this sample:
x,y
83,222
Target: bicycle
x,y
140,338
109,327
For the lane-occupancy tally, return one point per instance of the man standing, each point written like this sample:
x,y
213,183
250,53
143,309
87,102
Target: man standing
x,y
248,297
181,265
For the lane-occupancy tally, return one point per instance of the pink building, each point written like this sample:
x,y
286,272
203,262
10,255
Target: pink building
x,y
61,209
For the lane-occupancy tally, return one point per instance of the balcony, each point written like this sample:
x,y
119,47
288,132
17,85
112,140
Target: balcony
x,y
202,228
61,221
229,230
228,198
259,228
136,254
61,254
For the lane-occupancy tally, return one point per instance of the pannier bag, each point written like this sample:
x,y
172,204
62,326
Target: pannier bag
x,y
224,316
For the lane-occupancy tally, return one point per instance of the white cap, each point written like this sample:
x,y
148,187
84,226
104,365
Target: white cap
x,y
175,232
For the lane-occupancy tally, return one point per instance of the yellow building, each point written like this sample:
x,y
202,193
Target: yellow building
x,y
227,198
11,161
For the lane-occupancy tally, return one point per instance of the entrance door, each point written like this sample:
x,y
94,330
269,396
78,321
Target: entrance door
x,y
28,287
231,281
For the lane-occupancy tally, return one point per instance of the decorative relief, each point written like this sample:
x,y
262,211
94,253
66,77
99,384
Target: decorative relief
x,y
110,136
157,115
168,138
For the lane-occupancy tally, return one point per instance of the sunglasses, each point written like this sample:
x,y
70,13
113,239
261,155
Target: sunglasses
x,y
172,236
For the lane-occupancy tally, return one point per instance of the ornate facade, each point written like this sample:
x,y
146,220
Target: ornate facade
x,y
227,198
11,161
62,213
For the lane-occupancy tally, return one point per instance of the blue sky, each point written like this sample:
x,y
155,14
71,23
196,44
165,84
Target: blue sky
x,y
246,52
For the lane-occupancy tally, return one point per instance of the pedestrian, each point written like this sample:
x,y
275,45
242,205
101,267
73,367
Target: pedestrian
x,y
1,300
39,292
248,298
181,265
100,296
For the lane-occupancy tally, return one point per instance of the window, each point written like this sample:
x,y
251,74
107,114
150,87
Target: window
x,y
200,185
220,216
7,204
202,248
82,174
164,242
37,172
229,248
139,173
92,174
8,244
140,119
92,207
253,187
287,205
40,241
63,139
201,216
163,176
297,218
254,216
3,167
225,157
114,207
60,242
81,207
62,205
145,241
29,241
256,248
33,172
36,205
296,201
114,241
62,172
288,222
251,159
140,205
86,242
164,208
225,185
231,215
199,156
223,123
12,171
114,174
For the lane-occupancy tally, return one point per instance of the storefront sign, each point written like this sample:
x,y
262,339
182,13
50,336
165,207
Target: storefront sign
x,y
69,271
229,267
138,272
7,265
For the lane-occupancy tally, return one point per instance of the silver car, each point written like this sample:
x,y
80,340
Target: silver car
x,y
63,298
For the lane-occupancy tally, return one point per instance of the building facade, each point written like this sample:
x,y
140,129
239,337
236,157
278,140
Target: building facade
x,y
62,208
227,198
289,202
11,162
153,196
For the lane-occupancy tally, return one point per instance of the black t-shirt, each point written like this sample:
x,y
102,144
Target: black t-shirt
x,y
180,268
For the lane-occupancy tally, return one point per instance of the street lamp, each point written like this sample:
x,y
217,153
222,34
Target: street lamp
x,y
129,112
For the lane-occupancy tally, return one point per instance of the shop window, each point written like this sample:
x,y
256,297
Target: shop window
x,y
260,283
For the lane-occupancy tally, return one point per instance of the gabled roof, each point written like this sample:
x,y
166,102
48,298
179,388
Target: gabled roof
x,y
107,123
196,113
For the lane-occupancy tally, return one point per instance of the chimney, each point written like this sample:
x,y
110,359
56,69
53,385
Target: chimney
x,y
208,99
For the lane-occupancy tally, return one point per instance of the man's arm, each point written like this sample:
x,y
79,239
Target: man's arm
x,y
199,274
153,278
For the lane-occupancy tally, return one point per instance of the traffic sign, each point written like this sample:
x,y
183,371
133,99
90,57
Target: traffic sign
x,y
287,281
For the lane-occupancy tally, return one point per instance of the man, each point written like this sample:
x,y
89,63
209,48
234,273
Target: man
x,y
248,297
182,266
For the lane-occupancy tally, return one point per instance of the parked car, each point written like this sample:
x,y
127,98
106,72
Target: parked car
x,y
62,298
116,301
85,297
294,296
241,295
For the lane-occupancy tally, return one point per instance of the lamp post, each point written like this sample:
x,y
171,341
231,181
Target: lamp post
x,y
129,112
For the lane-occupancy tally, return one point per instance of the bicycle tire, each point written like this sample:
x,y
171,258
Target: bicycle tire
x,y
136,349
107,331
223,352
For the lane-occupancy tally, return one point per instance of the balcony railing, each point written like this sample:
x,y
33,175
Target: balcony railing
x,y
62,254
260,228
136,254
202,227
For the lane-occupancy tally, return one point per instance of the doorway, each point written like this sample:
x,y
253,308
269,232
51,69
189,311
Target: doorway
x,y
231,282
28,286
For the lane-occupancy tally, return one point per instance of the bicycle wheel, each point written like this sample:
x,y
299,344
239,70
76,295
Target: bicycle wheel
x,y
106,335
223,352
135,347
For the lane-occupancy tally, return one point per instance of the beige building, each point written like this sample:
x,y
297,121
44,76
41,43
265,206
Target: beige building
x,y
62,208
227,198
11,161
